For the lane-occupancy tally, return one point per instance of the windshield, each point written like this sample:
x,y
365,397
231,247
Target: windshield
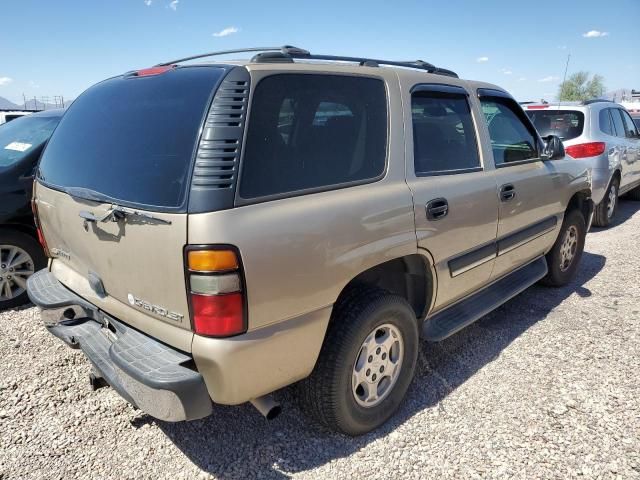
x,y
22,136
132,138
566,124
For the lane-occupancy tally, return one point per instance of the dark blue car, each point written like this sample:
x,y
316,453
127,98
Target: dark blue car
x,y
21,143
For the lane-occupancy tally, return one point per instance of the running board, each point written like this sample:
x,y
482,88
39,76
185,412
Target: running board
x,y
454,318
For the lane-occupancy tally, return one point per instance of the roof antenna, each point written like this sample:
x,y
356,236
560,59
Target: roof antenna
x,y
564,79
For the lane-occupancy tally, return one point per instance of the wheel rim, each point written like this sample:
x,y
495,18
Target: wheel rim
x,y
613,198
16,265
568,248
377,366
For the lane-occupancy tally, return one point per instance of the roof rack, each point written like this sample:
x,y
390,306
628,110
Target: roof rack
x,y
596,100
288,53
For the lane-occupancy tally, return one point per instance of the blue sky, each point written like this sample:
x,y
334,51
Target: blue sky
x,y
61,48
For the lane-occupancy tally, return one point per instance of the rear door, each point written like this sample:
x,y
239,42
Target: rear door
x,y
126,142
529,190
456,207
632,148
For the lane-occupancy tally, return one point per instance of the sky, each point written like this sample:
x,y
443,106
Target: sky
x,y
62,47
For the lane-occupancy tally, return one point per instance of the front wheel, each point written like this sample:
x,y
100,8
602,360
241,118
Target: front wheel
x,y
366,363
20,257
607,208
563,259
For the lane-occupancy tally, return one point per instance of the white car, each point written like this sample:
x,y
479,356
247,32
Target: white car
x,y
8,115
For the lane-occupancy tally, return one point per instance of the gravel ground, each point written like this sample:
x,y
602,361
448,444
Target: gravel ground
x,y
544,387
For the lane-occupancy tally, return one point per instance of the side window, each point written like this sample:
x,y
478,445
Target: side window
x,y
618,122
313,132
604,121
443,135
511,139
630,127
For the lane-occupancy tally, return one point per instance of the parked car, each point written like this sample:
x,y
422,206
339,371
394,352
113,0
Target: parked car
x,y
602,135
8,115
21,143
636,120
314,236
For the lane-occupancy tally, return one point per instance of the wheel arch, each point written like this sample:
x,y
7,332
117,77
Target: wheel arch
x,y
581,201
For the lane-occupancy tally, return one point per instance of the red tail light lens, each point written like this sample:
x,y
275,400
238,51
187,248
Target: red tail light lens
x,y
147,72
537,107
584,150
215,284
217,315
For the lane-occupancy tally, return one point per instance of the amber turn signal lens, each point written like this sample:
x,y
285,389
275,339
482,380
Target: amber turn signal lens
x,y
212,260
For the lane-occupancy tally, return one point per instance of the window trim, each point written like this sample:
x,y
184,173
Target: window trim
x,y
240,201
452,90
624,123
484,93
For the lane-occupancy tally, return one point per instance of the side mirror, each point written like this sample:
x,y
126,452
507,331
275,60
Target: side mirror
x,y
553,148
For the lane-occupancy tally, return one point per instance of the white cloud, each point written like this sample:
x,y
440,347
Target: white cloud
x,y
507,71
148,2
226,31
562,47
522,79
173,5
595,34
482,59
5,81
33,84
550,78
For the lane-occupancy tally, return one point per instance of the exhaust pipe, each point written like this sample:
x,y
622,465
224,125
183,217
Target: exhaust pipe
x,y
267,406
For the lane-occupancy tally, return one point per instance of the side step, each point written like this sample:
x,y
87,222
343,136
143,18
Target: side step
x,y
454,318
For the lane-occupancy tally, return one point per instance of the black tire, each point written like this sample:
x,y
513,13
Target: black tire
x,y
558,275
327,394
634,194
601,217
31,246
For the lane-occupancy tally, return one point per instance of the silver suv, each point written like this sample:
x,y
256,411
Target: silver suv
x,y
602,135
218,231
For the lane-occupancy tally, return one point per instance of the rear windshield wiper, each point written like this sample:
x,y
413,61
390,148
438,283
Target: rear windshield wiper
x,y
114,213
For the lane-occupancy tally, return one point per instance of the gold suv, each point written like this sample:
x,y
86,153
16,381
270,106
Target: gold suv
x,y
217,231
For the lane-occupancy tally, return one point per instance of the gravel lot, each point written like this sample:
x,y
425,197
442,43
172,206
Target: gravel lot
x,y
545,387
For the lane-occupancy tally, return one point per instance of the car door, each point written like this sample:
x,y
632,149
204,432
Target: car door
x,y
529,189
456,208
631,141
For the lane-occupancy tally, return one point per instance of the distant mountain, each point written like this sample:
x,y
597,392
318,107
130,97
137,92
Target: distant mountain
x,y
5,104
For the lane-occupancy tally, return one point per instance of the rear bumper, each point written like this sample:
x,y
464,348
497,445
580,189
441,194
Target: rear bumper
x,y
150,375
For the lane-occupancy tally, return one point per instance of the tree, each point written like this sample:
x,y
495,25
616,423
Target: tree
x,y
578,87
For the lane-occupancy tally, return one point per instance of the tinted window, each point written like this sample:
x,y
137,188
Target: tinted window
x,y
23,136
637,122
132,138
443,134
566,124
313,131
630,127
511,140
618,123
604,120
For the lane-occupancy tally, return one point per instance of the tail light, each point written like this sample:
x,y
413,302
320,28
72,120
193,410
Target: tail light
x,y
537,107
583,150
36,220
216,291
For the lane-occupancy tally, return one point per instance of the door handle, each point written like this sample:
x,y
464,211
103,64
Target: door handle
x,y
437,208
507,192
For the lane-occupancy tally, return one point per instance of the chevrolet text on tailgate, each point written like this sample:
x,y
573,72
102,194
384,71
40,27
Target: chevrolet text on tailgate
x,y
218,231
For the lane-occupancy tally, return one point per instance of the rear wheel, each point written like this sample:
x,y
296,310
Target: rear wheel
x,y
564,257
366,364
20,257
606,209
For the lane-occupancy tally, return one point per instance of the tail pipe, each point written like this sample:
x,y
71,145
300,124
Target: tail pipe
x,y
267,406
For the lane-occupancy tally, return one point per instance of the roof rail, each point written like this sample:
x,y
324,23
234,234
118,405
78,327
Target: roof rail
x,y
288,53
596,100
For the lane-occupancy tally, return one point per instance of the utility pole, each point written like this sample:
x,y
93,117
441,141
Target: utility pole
x,y
564,79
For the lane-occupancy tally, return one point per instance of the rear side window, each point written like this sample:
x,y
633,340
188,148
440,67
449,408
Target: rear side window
x,y
313,132
511,139
618,123
443,135
132,138
630,127
604,122
566,124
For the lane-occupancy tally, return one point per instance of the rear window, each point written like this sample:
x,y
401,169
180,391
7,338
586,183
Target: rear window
x,y
132,138
311,132
566,124
23,136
